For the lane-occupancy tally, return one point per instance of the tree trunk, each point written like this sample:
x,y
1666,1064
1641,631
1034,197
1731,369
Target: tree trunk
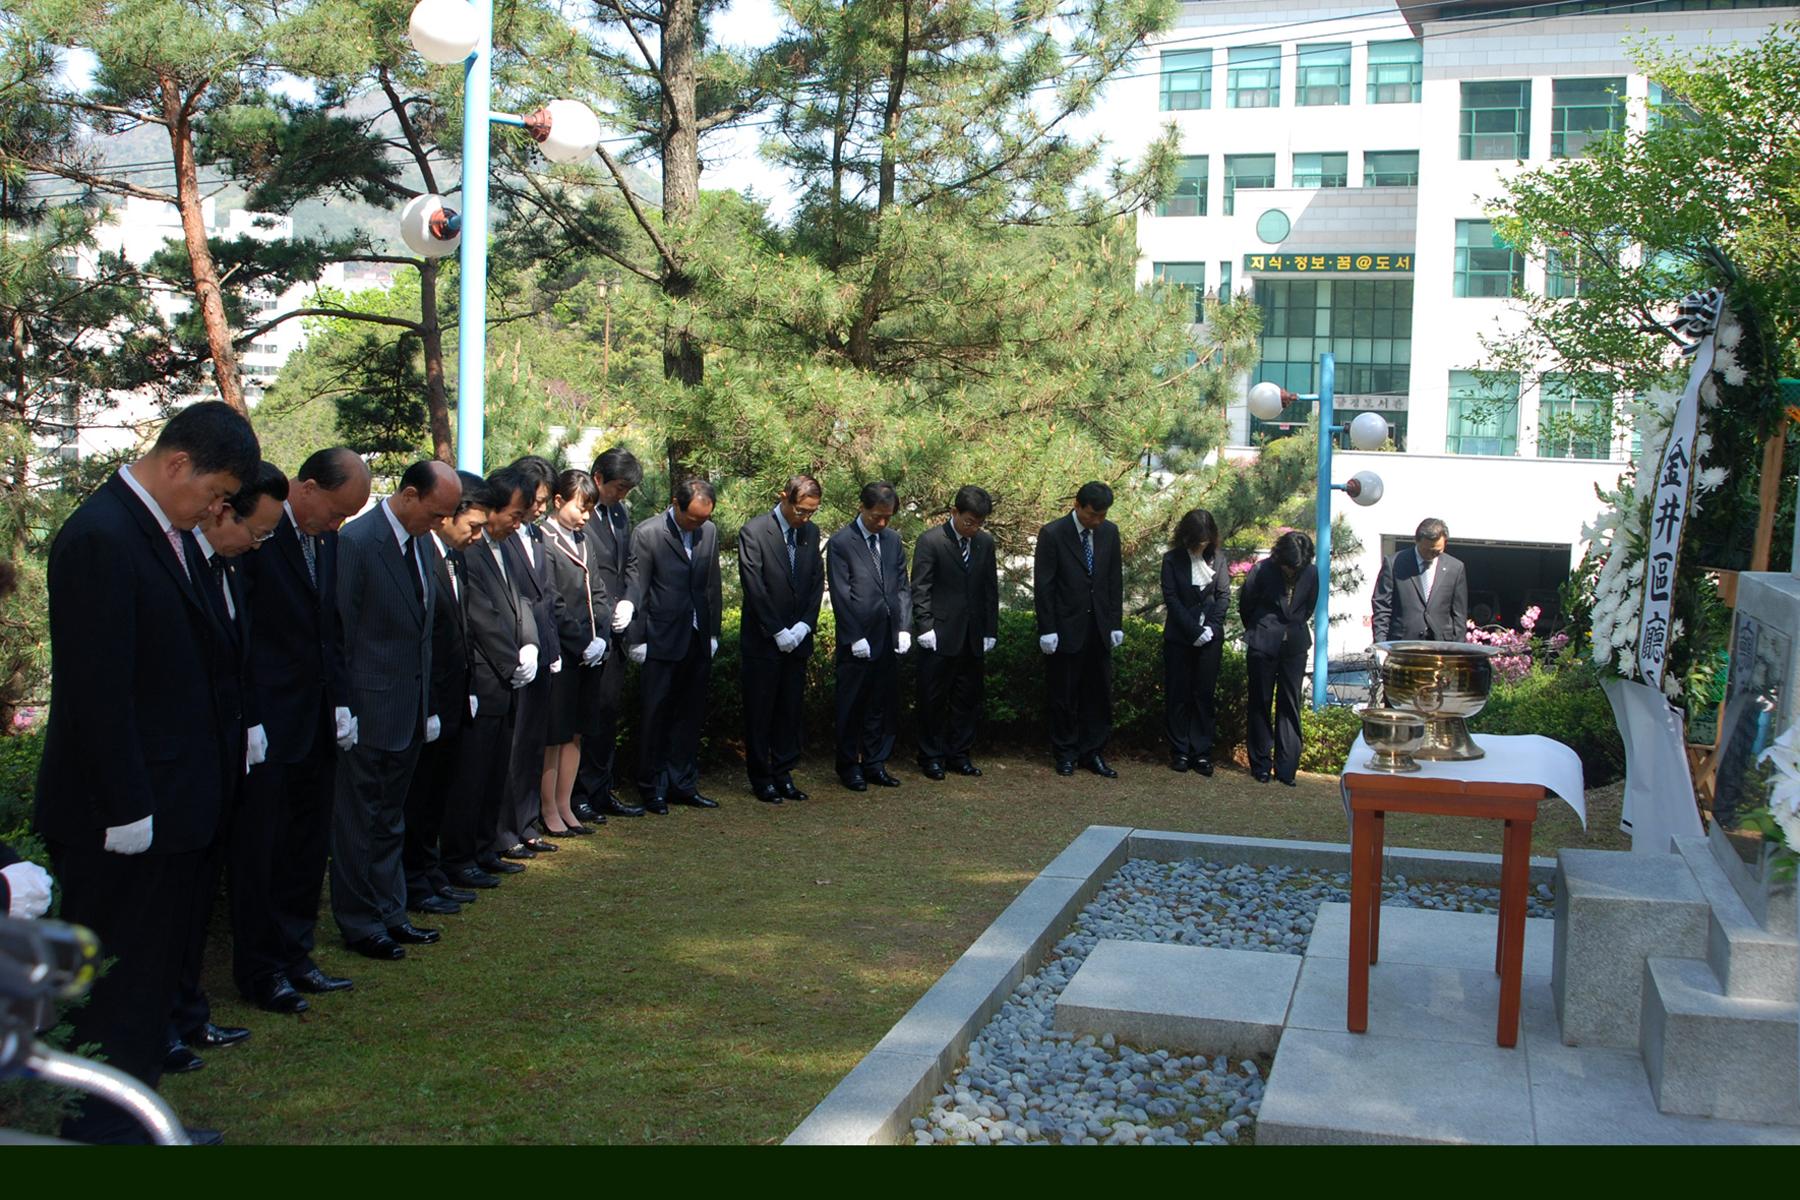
x,y
861,347
437,402
683,360
207,293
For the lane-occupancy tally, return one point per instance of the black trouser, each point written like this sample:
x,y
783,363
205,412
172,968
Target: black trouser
x,y
519,811
951,687
1081,699
774,716
1190,693
192,1008
476,786
426,802
1277,682
868,708
599,740
136,904
674,695
368,884
280,839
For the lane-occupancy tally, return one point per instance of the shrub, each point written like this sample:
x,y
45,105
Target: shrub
x,y
18,781
1563,702
1326,737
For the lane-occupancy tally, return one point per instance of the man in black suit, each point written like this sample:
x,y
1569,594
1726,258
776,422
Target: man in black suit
x,y
528,561
784,582
608,535
385,598
956,600
1422,592
280,839
244,524
1080,601
871,607
1276,605
453,705
138,753
502,658
672,584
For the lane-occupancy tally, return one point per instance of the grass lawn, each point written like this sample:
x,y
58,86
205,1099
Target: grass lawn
x,y
709,976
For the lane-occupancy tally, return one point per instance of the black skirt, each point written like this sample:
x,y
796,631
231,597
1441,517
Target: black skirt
x,y
565,699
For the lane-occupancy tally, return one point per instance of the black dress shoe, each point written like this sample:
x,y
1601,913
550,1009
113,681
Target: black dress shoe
x,y
657,805
275,994
697,801
473,877
540,846
552,833
197,1136
437,906
1289,783
580,830
179,1059
613,806
853,779
880,777
966,768
1178,762
378,946
586,815
460,895
789,791
318,982
212,1037
519,851
1203,765
1261,776
932,770
1098,766
1065,768
501,867
409,934
766,793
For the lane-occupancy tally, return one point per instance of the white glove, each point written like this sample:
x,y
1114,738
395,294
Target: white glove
x,y
556,667
434,728
1047,643
638,653
474,706
622,615
596,650
346,727
785,640
988,644
713,653
928,640
1118,638
129,839
256,747
800,630
860,648
903,642
526,671
1380,657
29,885
1205,635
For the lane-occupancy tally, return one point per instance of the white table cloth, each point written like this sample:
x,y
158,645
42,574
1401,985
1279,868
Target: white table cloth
x,y
1521,758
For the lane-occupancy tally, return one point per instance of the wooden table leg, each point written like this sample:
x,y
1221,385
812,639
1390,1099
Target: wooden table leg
x,y
1515,868
1377,835
1362,883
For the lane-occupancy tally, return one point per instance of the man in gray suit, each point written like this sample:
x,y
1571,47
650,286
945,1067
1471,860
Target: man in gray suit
x,y
385,594
1422,593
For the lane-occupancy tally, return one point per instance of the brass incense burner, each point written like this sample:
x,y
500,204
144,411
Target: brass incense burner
x,y
1393,735
1445,683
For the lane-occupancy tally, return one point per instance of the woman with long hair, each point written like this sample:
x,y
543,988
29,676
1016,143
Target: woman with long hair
x,y
1276,603
1196,591
572,502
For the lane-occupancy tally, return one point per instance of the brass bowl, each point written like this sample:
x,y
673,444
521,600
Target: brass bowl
x,y
1444,682
1392,734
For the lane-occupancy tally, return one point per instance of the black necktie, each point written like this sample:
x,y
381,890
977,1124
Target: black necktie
x,y
793,549
412,570
965,550
1087,548
875,553
309,551
579,537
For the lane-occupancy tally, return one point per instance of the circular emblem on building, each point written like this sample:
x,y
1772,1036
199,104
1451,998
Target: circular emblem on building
x,y
1273,226
1364,262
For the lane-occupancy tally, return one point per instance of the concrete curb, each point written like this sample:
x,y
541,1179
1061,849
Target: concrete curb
x,y
875,1103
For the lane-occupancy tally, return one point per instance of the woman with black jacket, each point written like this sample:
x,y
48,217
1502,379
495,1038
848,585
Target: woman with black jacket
x,y
1276,603
1196,591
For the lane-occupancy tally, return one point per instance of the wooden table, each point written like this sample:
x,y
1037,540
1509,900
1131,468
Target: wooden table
x,y
1370,797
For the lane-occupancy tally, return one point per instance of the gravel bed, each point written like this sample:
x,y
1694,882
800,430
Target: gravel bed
x,y
1026,1084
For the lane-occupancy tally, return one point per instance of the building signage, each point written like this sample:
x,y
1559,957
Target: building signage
x,y
1356,263
1371,402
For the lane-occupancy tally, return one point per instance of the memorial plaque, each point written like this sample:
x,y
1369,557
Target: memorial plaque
x,y
1760,661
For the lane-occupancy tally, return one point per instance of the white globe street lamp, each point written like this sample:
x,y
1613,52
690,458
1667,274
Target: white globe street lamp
x,y
429,228
566,131
1364,487
444,31
1369,431
1267,400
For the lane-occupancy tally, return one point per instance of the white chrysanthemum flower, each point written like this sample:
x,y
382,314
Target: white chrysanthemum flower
x,y
1671,686
1709,391
1730,333
1735,376
1711,477
1703,445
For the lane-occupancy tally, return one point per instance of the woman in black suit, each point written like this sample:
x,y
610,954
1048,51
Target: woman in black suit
x,y
572,504
1196,591
1276,603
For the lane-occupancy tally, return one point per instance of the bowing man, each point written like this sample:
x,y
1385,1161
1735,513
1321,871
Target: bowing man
x,y
956,601
784,582
608,537
1080,600
871,606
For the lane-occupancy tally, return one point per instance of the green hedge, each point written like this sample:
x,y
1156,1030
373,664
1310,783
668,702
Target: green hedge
x,y
1564,702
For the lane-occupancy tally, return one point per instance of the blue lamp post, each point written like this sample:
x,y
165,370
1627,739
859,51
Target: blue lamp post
x,y
460,31
1367,432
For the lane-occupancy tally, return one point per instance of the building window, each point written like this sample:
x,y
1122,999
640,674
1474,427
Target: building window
x,y
1225,282
1324,75
1669,111
1246,171
1483,413
1189,277
1496,119
1395,72
1485,265
1186,80
1253,77
1390,168
1321,170
1582,111
1570,272
1574,417
1365,323
1189,197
